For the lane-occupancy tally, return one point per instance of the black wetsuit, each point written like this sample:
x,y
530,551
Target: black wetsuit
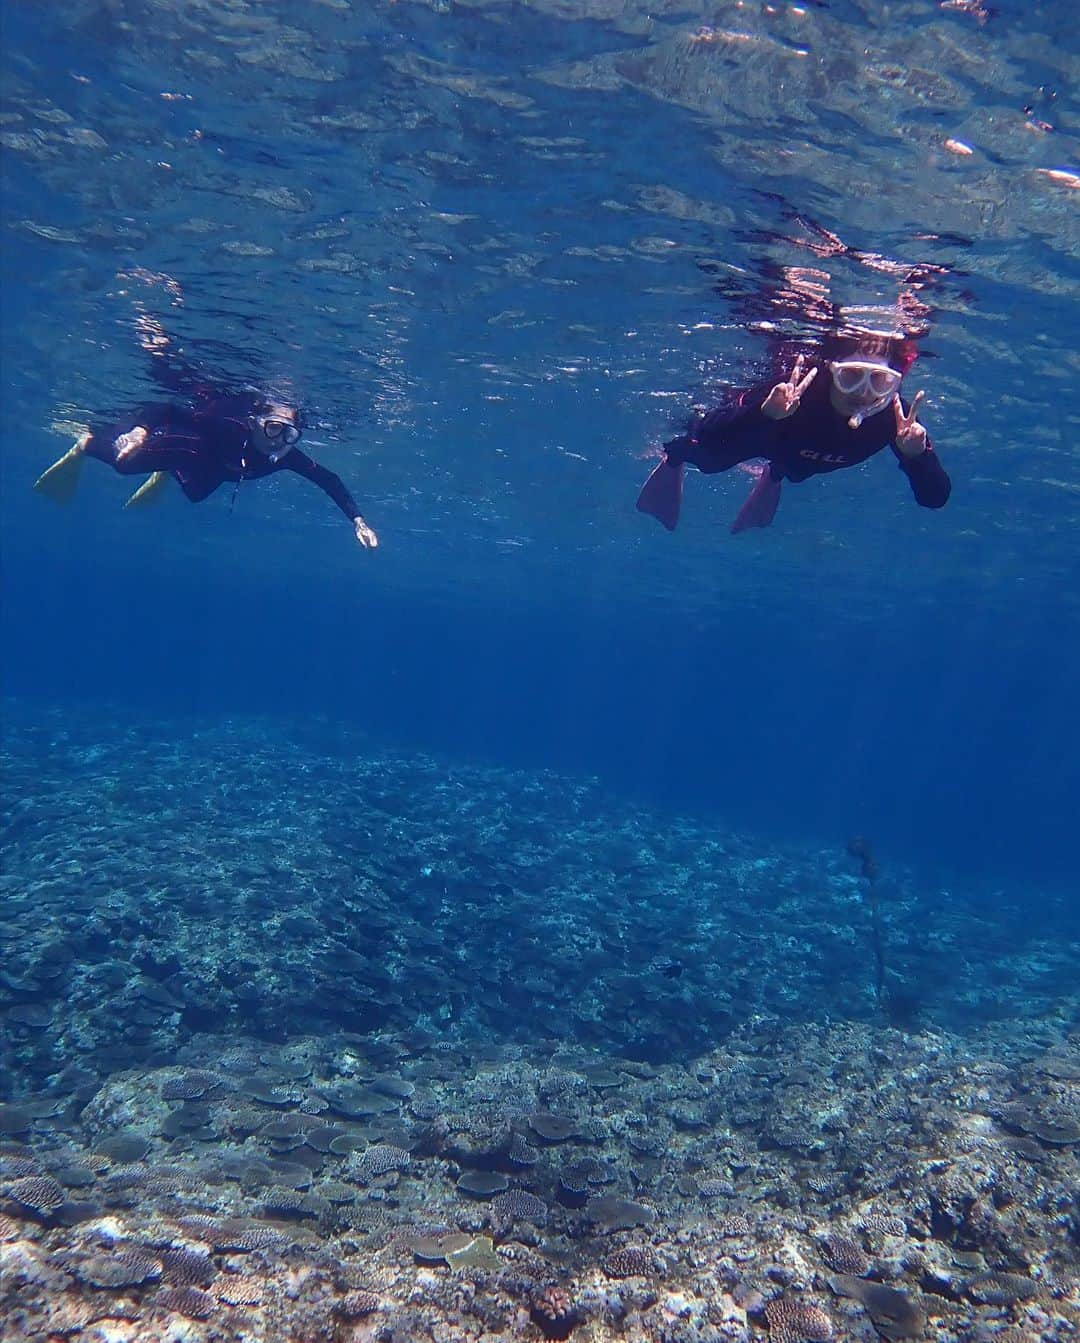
x,y
813,440
206,445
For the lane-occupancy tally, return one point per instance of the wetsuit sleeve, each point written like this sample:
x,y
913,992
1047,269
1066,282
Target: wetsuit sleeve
x,y
174,441
930,484
726,435
326,481
740,423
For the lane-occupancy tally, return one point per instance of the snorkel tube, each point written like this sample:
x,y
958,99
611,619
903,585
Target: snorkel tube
x,y
867,411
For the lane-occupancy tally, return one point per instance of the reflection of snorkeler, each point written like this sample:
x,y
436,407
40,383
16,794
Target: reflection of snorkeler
x,y
806,425
230,438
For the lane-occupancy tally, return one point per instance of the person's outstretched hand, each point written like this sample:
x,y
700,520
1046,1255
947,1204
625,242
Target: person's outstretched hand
x,y
910,435
364,534
784,398
130,442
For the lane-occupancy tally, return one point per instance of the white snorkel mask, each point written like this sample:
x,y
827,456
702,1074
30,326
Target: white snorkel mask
x,y
875,383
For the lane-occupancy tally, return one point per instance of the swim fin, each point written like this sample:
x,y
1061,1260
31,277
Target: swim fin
x,y
62,477
149,492
661,495
761,503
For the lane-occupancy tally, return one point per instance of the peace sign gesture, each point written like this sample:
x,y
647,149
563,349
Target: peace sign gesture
x,y
910,435
784,398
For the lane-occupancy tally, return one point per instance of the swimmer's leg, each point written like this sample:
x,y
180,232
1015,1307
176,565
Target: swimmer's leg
x,y
60,480
198,484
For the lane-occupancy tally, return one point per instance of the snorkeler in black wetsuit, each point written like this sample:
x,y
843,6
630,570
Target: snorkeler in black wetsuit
x,y
219,440
805,425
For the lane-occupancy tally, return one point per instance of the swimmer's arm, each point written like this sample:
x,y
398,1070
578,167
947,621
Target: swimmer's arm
x,y
929,482
737,422
334,486
157,418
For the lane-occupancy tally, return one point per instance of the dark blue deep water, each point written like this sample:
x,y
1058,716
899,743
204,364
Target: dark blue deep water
x,y
537,773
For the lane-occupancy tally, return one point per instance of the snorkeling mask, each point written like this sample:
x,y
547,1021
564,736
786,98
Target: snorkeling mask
x,y
277,430
874,383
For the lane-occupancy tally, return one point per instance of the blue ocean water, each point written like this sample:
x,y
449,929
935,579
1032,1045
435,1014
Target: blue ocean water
x,y
479,246
497,251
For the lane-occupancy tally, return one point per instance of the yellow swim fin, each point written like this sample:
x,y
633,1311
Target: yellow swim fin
x,y
149,491
62,477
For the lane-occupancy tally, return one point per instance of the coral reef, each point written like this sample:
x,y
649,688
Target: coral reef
x,y
403,1063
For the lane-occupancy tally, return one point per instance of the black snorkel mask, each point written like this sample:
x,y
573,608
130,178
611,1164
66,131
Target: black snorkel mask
x,y
281,432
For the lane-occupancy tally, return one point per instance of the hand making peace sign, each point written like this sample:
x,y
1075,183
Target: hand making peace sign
x,y
784,398
910,435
